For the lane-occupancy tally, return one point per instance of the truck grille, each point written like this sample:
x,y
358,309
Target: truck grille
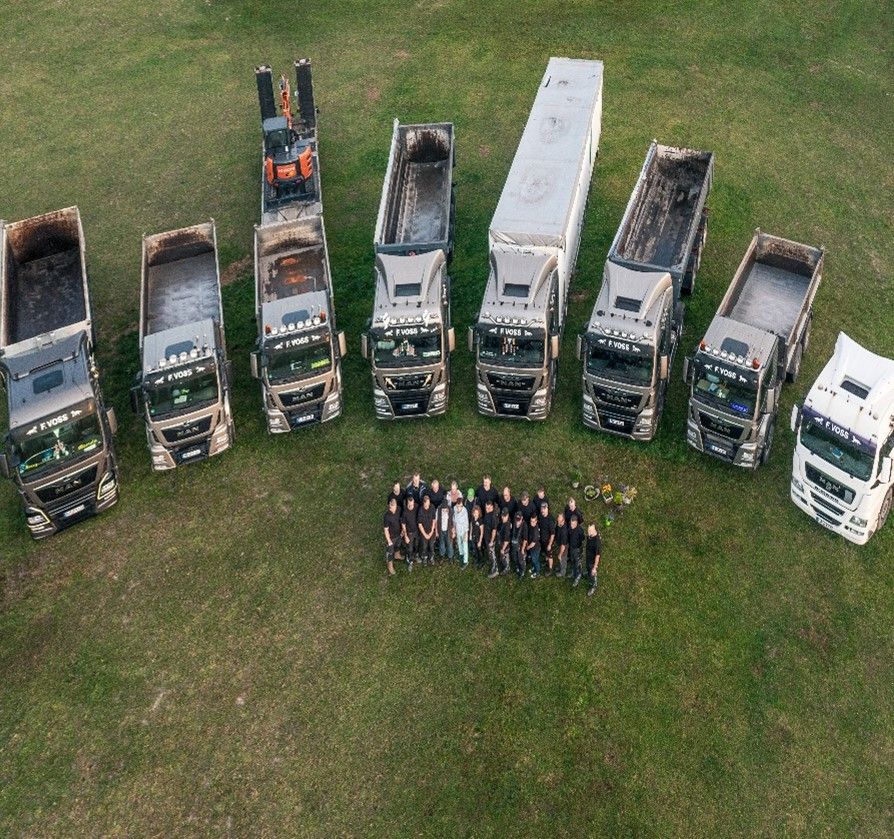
x,y
718,426
409,406
505,381
415,381
299,397
619,398
300,418
622,423
75,484
509,406
829,484
190,453
187,430
819,500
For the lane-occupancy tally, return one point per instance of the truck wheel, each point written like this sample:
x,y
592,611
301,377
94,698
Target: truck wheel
x,y
768,444
795,367
885,510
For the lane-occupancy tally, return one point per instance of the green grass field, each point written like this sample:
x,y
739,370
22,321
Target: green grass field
x,y
223,654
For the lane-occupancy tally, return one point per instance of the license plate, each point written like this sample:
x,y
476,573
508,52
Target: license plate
x,y
303,419
74,511
613,421
718,450
410,406
827,524
190,454
511,406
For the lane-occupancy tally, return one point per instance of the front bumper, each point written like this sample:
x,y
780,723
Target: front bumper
x,y
311,413
518,405
634,426
729,451
46,522
831,515
397,405
165,459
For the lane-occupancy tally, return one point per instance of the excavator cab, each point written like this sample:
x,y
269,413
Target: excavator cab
x,y
277,137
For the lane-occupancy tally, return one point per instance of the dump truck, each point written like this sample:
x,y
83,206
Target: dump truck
x,y
290,169
842,472
754,343
409,338
627,348
183,387
298,358
58,450
533,238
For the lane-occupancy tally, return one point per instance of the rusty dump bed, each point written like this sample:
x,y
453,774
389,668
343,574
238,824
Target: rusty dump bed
x,y
660,226
291,259
44,276
417,195
180,278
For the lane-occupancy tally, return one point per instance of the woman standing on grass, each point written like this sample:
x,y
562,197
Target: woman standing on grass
x,y
461,531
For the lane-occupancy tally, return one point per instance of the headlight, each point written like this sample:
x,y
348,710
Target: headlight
x,y
107,485
539,400
856,520
439,394
221,433
797,484
35,518
159,460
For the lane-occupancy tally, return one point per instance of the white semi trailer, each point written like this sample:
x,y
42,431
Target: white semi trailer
x,y
534,238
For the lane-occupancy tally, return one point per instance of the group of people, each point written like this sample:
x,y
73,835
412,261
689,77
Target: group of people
x,y
489,529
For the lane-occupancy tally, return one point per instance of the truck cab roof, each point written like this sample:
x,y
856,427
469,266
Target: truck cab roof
x,y
630,300
48,380
518,283
739,343
175,345
295,314
406,284
855,389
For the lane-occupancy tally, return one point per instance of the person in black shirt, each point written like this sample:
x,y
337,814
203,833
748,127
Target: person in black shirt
x,y
409,523
594,555
507,502
526,506
486,492
392,528
532,545
428,528
518,542
547,536
490,526
398,494
435,493
476,536
575,543
504,544
572,511
416,488
540,498
562,545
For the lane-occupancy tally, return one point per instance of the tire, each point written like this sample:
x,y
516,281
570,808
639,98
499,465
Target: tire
x,y
885,510
768,444
791,374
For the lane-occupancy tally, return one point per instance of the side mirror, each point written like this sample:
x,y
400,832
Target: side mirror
x,y
364,345
451,339
885,470
687,370
579,348
4,465
112,418
471,337
228,371
254,360
795,419
342,345
662,367
554,345
136,399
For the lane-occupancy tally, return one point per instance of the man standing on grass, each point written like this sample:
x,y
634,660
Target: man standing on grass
x,y
461,531
575,543
445,527
540,498
393,529
547,536
427,522
486,492
532,545
504,544
409,524
416,488
527,507
490,526
594,554
398,494
518,542
507,502
435,493
572,511
562,543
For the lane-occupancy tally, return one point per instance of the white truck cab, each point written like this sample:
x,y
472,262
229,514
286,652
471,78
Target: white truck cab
x,y
842,465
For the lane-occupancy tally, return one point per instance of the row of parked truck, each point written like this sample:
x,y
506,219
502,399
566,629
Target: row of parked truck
x,y
59,448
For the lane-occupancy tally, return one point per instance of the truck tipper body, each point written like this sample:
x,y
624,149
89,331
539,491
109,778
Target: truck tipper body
x,y
183,389
754,343
627,348
298,359
842,463
533,239
410,336
58,450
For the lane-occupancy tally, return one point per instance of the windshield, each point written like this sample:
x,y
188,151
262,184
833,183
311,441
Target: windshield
x,y
521,351
612,364
182,389
857,462
407,347
294,362
734,397
57,440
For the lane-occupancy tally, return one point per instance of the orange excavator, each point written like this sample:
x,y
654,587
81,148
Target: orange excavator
x,y
290,142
